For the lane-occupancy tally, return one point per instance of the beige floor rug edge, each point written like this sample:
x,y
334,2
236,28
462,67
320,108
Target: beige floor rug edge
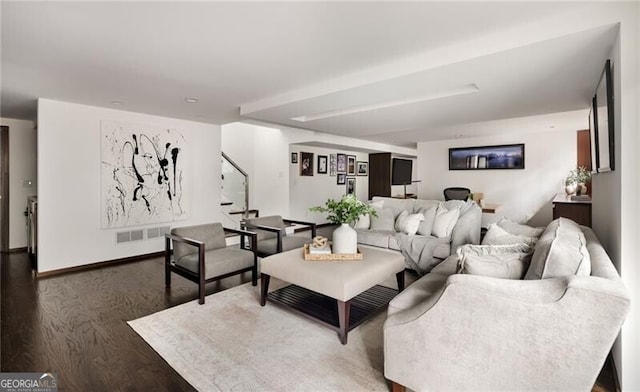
x,y
231,343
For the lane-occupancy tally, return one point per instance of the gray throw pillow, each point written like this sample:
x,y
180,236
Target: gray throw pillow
x,y
384,221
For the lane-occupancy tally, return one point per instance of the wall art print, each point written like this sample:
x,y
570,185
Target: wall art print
x,y
143,174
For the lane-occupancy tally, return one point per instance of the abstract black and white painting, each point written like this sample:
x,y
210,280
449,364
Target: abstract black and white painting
x,y
143,174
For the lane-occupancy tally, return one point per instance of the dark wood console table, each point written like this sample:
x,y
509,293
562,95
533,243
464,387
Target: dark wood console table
x,y
576,210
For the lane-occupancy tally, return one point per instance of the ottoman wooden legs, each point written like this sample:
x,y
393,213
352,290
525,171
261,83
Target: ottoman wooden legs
x,y
344,315
264,288
400,280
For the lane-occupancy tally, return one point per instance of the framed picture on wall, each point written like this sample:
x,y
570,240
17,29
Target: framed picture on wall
x,y
603,118
362,168
351,165
322,164
306,164
341,179
332,164
342,164
508,156
351,186
593,133
294,157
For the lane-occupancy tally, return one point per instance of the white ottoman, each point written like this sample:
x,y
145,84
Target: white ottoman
x,y
342,280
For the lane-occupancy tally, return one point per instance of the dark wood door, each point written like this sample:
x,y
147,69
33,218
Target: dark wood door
x,y
584,152
4,188
379,175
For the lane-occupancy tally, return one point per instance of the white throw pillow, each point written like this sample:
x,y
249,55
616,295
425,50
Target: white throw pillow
x,y
409,223
400,221
427,224
496,235
444,222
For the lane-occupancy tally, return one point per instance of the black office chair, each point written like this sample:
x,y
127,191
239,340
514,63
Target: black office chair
x,y
456,193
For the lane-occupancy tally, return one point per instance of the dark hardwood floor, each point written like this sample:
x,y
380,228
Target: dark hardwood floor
x,y
75,325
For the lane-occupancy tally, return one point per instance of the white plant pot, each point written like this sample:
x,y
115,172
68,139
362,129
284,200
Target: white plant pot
x,y
570,189
345,240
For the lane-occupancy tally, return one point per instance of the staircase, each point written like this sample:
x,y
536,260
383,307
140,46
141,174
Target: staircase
x,y
234,203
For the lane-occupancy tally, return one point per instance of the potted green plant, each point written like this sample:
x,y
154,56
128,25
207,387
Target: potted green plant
x,y
577,180
345,211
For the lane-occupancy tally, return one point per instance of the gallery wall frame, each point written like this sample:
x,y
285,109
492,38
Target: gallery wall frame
x,y
306,164
332,164
341,179
322,164
603,109
351,165
294,157
505,156
341,163
593,134
351,186
362,168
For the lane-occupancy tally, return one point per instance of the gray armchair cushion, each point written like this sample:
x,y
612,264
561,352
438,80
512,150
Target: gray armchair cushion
x,y
212,234
270,245
218,261
271,221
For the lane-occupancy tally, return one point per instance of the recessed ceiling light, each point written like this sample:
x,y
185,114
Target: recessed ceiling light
x,y
467,89
191,100
117,103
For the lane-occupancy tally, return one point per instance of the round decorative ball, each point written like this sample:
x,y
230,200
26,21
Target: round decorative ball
x,y
320,241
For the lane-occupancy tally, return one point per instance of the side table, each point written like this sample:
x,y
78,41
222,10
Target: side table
x,y
577,210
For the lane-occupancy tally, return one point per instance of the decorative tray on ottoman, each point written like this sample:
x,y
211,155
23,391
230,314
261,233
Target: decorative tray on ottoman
x,y
331,256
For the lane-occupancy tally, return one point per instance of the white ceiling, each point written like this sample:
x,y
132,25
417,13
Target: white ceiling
x,y
366,70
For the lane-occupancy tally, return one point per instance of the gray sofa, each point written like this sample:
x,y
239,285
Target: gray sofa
x,y
551,330
423,252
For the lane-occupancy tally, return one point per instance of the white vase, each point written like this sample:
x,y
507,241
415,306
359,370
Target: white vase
x,y
345,240
570,189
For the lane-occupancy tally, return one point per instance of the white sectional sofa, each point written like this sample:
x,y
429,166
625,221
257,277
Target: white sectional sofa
x,y
548,326
430,245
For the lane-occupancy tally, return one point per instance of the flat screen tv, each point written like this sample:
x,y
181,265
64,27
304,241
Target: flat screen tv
x,y
401,171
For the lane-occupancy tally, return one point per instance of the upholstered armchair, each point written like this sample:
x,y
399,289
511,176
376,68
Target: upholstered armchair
x,y
201,254
272,235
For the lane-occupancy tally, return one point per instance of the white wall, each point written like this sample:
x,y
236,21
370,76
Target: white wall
x,y
264,151
69,183
309,191
616,214
522,194
22,170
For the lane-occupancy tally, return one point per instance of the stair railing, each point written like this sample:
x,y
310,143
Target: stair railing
x,y
245,181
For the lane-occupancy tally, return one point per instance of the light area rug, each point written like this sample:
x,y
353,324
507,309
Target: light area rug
x,y
231,343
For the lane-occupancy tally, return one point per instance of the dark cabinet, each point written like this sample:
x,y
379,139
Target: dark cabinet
x,y
380,174
578,211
